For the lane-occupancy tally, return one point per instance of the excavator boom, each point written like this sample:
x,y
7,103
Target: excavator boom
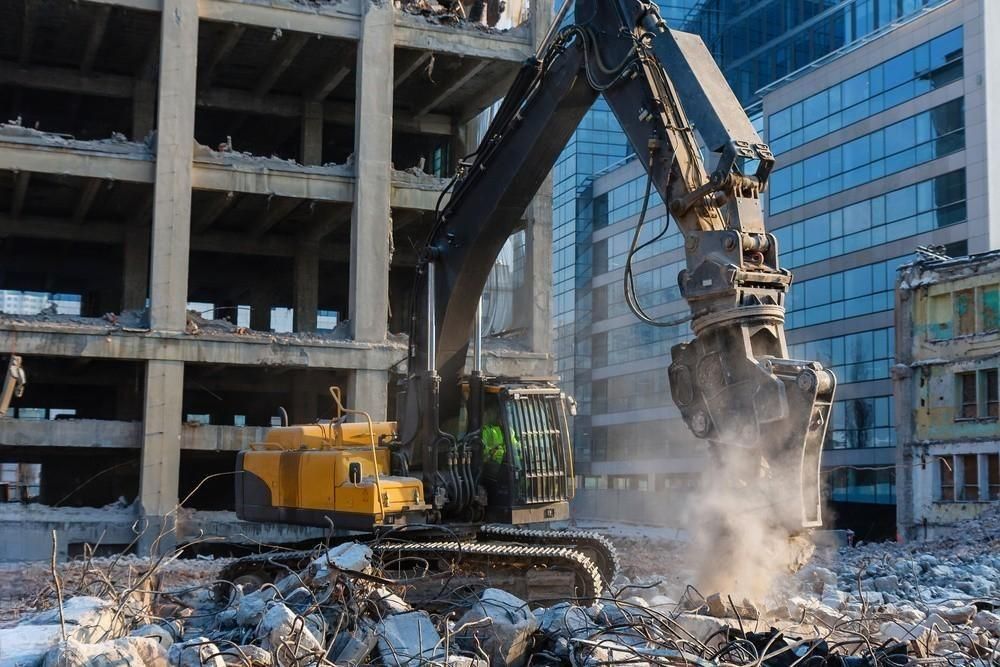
x,y
733,383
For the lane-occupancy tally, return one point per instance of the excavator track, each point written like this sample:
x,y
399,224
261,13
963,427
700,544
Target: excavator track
x,y
514,566
489,559
598,547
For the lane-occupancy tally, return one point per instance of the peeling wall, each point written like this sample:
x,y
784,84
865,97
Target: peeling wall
x,y
947,330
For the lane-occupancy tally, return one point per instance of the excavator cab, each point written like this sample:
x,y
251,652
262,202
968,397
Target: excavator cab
x,y
521,435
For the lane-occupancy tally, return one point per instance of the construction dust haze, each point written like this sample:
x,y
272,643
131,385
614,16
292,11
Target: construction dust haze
x,y
742,523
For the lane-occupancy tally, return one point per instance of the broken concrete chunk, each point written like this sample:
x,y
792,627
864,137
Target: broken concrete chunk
x,y
957,615
352,648
389,602
722,608
350,556
500,624
251,607
157,632
898,631
988,621
197,652
701,628
123,652
288,635
409,640
568,621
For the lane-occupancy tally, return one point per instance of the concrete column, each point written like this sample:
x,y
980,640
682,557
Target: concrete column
x,y
305,299
143,109
368,390
907,512
311,152
161,453
260,310
135,276
983,466
538,270
175,135
305,406
370,217
169,267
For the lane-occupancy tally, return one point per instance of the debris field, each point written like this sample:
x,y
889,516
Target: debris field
x,y
931,603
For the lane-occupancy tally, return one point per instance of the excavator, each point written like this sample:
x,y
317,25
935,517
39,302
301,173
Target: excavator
x,y
475,466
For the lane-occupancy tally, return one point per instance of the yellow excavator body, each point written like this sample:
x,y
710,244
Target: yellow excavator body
x,y
309,473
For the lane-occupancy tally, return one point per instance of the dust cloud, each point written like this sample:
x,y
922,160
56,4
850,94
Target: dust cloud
x,y
743,523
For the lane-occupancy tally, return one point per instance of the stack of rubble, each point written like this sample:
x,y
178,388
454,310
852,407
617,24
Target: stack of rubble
x,y
872,605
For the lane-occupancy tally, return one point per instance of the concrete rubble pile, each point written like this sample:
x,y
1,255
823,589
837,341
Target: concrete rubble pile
x,y
873,605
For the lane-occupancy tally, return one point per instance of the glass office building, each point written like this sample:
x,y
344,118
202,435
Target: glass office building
x,y
868,113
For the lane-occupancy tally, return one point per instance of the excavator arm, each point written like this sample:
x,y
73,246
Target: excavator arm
x,y
733,383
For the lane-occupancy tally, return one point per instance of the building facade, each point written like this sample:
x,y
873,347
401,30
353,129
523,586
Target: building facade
x,y
872,161
227,196
947,391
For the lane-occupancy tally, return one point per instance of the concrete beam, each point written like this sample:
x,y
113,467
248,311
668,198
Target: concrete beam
x,y
140,5
220,203
94,38
329,83
470,73
65,80
86,199
339,20
264,181
21,181
420,61
487,96
58,229
107,434
289,52
53,339
416,33
135,167
287,106
371,216
275,213
219,53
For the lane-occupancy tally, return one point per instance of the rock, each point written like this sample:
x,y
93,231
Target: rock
x,y
197,652
872,598
157,632
251,607
88,619
702,628
351,648
390,603
957,615
349,556
257,657
936,622
568,621
663,603
988,621
723,608
124,652
887,584
500,624
903,632
284,634
408,640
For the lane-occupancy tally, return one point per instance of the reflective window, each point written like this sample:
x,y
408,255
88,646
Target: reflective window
x,y
861,423
653,288
858,291
915,209
857,357
911,141
926,67
636,342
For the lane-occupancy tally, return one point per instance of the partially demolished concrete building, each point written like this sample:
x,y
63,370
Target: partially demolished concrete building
x,y
186,174
947,391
